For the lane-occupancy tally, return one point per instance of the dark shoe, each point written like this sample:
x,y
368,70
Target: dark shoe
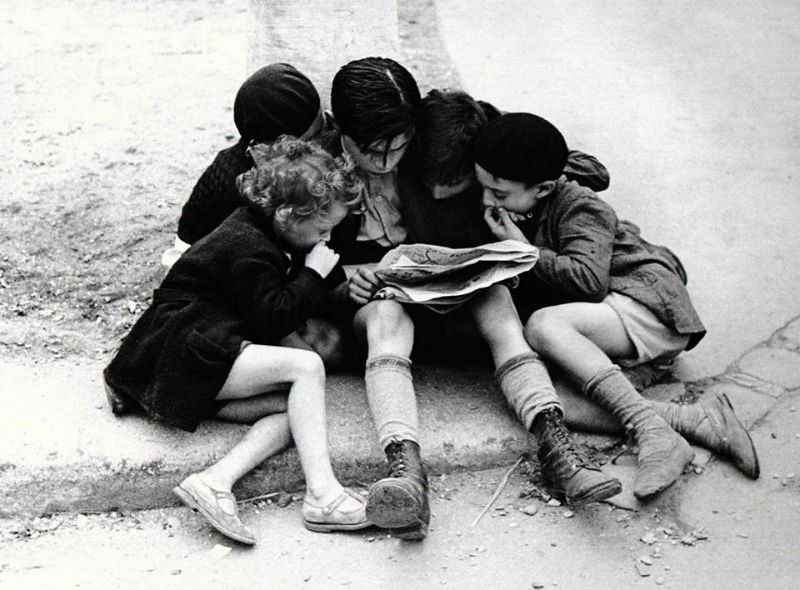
x,y
568,472
120,404
400,500
712,423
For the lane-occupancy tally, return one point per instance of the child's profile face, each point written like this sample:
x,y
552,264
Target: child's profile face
x,y
379,157
511,195
302,234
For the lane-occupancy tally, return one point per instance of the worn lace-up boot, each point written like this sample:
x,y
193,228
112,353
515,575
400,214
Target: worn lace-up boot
x,y
400,500
568,472
663,453
712,423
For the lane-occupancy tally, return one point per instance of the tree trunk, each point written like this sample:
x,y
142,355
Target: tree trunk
x,y
319,36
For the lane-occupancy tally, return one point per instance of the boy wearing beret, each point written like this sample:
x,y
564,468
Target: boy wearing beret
x,y
598,292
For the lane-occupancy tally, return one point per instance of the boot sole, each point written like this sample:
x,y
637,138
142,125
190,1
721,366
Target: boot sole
x,y
598,493
392,508
752,468
412,533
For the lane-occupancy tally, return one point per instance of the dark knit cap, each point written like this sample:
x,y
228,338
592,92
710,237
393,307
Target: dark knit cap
x,y
276,99
521,147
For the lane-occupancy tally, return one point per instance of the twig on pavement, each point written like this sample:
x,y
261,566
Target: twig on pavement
x,y
261,497
500,486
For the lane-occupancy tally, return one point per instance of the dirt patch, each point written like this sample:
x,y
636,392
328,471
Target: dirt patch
x,y
115,110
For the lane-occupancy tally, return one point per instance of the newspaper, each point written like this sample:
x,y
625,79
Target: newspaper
x,y
444,278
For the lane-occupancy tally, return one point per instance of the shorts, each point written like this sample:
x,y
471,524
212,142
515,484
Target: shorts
x,y
652,339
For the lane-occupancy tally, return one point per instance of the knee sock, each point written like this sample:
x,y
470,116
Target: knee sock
x,y
611,389
525,382
390,393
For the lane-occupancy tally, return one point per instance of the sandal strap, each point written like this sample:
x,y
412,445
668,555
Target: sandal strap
x,y
219,495
336,502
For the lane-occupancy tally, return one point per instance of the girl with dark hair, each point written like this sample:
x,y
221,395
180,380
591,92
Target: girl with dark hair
x,y
208,344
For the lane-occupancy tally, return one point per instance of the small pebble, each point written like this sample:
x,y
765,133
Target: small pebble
x,y
530,509
649,538
553,502
642,570
568,514
660,580
646,560
537,585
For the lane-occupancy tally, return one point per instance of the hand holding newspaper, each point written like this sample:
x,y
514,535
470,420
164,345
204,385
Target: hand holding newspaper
x,y
444,278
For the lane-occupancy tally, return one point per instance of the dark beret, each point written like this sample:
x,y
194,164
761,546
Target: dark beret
x,y
275,100
521,147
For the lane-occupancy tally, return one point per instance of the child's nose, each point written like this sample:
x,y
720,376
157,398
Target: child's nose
x,y
488,199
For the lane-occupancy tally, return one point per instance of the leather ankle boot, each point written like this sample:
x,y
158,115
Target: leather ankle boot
x,y
400,500
663,453
568,472
712,423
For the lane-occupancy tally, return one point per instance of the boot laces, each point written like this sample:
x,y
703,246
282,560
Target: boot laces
x,y
397,460
565,443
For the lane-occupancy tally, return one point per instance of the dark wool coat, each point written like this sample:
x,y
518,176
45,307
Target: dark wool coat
x,y
215,195
235,284
585,252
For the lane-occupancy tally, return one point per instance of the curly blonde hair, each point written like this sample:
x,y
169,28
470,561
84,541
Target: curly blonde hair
x,y
300,175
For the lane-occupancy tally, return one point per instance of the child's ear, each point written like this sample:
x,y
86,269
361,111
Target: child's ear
x,y
547,187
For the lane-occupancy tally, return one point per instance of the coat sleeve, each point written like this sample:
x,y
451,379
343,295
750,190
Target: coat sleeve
x,y
271,303
577,264
587,171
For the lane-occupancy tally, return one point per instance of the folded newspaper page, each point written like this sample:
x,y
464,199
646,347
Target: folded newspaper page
x,y
444,278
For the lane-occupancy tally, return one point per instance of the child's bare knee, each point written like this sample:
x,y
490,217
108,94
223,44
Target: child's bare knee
x,y
309,366
388,318
544,326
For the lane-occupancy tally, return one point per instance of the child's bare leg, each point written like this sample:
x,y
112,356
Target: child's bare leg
x,y
400,500
527,385
582,338
258,368
251,409
499,325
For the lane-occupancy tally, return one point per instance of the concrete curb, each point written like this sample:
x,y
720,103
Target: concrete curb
x,y
63,454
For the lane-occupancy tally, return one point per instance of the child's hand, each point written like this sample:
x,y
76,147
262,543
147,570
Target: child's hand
x,y
502,226
363,285
321,259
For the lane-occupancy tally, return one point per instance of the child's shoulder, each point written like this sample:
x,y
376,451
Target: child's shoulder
x,y
571,196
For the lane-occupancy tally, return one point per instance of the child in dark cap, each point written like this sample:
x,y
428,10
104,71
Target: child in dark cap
x,y
275,100
599,292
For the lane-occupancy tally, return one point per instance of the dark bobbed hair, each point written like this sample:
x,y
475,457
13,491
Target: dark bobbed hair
x,y
448,125
374,99
298,174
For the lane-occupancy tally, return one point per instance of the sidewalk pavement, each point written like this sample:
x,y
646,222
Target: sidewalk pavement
x,y
61,453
